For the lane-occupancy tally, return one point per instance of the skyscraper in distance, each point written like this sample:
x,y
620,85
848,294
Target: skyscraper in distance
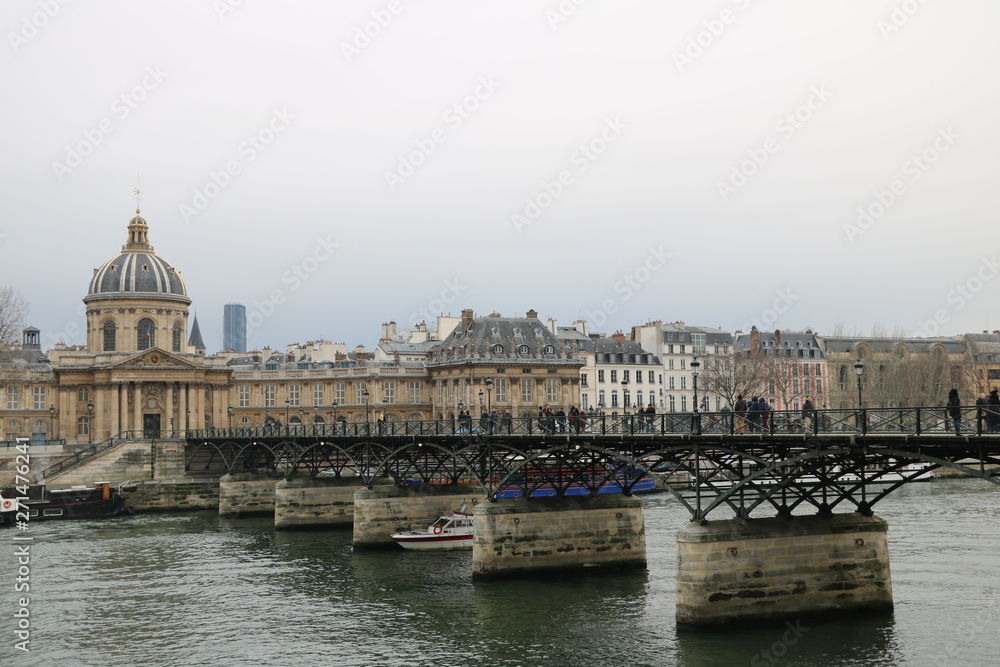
x,y
234,327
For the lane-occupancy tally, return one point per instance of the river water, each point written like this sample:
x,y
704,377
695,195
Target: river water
x,y
197,589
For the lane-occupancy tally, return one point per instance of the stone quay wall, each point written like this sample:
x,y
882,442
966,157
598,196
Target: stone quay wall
x,y
314,503
383,510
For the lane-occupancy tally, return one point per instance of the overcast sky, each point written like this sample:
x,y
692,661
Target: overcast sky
x,y
337,165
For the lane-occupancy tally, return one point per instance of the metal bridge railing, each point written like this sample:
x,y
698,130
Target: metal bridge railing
x,y
973,421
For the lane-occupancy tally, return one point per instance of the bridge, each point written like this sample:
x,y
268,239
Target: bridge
x,y
781,506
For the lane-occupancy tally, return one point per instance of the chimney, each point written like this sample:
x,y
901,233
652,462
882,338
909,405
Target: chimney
x,y
466,319
532,314
754,340
388,330
553,325
618,336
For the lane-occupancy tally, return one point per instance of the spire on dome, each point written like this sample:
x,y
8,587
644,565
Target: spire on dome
x,y
138,235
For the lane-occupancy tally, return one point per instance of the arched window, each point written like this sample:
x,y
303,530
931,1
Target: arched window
x,y
523,349
497,349
177,336
145,334
110,336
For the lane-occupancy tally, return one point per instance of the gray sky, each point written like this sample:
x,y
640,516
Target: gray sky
x,y
614,160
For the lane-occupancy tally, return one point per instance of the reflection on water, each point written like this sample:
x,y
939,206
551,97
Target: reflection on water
x,y
195,589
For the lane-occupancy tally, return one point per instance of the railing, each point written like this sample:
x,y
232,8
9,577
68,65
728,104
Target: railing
x,y
34,442
88,453
973,421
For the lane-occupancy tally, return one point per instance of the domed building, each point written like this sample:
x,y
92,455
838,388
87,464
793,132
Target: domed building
x,y
136,299
140,373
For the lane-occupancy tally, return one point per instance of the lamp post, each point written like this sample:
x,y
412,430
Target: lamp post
x,y
481,393
859,370
489,395
188,421
695,369
230,411
365,395
626,399
90,422
288,404
52,419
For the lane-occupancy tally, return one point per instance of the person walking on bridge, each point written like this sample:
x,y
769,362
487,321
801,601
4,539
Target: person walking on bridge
x,y
993,412
954,411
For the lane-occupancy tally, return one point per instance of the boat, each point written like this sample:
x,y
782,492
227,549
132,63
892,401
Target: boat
x,y
450,532
537,480
100,500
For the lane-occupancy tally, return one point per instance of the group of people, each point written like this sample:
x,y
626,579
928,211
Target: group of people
x,y
755,416
988,411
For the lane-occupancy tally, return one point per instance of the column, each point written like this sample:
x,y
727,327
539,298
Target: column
x,y
114,404
219,411
99,427
198,414
182,406
67,413
171,420
137,407
123,407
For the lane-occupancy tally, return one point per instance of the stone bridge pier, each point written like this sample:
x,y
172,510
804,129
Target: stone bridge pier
x,y
730,573
383,510
315,502
247,493
522,536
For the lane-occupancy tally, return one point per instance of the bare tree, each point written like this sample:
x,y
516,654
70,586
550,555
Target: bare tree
x,y
732,375
13,310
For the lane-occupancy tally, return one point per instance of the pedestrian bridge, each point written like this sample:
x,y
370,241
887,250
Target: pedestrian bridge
x,y
713,463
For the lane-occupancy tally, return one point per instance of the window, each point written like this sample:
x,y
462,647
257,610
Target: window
x,y
176,335
670,364
317,394
293,395
243,396
684,403
83,426
625,375
500,390
583,379
614,398
83,394
628,397
652,377
39,398
339,393
670,385
110,336
359,392
497,349
638,398
269,391
552,390
584,403
527,391
614,376
523,349
388,392
673,403
145,334
819,386
638,377
670,349
548,349
600,399
600,376
415,392
13,398
683,362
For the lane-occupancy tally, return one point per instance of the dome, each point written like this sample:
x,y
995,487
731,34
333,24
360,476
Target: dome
x,y
137,270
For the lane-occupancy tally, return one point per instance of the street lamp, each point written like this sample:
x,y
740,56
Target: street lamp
x,y
489,395
859,370
230,417
695,369
52,417
90,422
626,400
288,404
481,393
364,396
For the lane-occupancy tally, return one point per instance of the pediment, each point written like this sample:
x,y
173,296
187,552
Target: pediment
x,y
153,359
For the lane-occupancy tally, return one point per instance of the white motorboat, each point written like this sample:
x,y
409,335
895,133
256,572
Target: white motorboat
x,y
452,531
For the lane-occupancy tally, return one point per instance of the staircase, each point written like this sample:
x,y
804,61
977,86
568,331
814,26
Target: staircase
x,y
92,454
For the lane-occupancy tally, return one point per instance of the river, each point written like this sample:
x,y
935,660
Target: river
x,y
197,589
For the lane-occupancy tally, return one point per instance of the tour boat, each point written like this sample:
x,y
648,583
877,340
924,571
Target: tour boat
x,y
452,531
77,502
